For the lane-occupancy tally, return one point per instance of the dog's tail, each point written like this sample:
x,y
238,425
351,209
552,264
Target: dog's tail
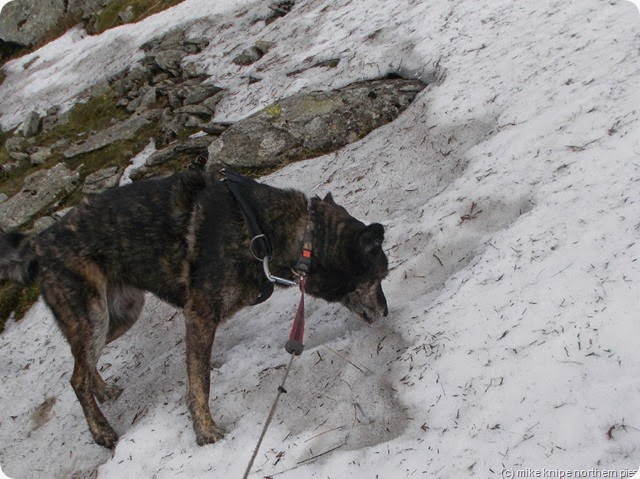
x,y
17,260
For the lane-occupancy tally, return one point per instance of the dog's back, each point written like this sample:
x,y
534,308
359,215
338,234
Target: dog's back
x,y
134,234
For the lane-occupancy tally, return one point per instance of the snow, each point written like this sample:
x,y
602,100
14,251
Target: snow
x,y
3,3
137,162
508,191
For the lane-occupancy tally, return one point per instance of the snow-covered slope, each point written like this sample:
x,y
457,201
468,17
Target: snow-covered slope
x,y
509,191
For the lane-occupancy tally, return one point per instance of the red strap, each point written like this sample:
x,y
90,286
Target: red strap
x,y
294,345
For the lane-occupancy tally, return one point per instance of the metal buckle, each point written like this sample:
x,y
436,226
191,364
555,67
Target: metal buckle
x,y
253,251
275,279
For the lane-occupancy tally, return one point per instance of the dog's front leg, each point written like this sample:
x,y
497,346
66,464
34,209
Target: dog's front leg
x,y
200,332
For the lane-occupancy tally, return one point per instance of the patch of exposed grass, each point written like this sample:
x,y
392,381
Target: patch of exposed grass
x,y
11,181
109,16
4,154
94,115
117,154
16,298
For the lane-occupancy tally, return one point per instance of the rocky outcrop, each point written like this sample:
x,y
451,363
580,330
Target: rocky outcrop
x,y
118,132
311,124
85,9
31,125
192,147
189,153
26,22
40,190
166,53
253,53
159,94
162,80
102,180
279,8
39,155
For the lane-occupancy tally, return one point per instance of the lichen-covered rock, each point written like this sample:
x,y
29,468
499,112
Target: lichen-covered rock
x,y
248,56
195,110
85,8
31,125
121,131
199,93
169,61
26,22
281,7
311,124
126,15
15,143
40,155
40,190
147,99
192,147
215,128
102,180
253,53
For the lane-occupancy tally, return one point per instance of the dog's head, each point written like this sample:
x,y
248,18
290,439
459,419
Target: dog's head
x,y
348,262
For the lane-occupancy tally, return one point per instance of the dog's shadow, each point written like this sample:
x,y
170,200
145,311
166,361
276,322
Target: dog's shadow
x,y
340,391
148,364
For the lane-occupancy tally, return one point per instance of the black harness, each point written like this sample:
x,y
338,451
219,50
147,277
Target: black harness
x,y
260,245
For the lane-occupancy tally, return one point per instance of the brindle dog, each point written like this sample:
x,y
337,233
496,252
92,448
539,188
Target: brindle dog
x,y
184,239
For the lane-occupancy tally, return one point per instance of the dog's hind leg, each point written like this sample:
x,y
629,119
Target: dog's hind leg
x,y
201,326
78,301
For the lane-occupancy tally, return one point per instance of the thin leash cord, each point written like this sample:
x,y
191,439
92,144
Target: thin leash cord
x,y
272,413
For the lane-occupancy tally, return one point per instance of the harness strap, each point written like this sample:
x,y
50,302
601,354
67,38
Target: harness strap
x,y
260,244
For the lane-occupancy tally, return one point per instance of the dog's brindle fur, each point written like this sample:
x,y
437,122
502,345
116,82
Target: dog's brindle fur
x,y
184,239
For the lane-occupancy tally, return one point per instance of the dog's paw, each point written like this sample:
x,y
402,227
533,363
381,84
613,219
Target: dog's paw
x,y
210,435
105,437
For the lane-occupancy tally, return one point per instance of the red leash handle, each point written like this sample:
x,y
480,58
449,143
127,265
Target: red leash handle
x,y
294,344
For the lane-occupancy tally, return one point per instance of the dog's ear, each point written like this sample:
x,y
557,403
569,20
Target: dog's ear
x,y
329,199
371,238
